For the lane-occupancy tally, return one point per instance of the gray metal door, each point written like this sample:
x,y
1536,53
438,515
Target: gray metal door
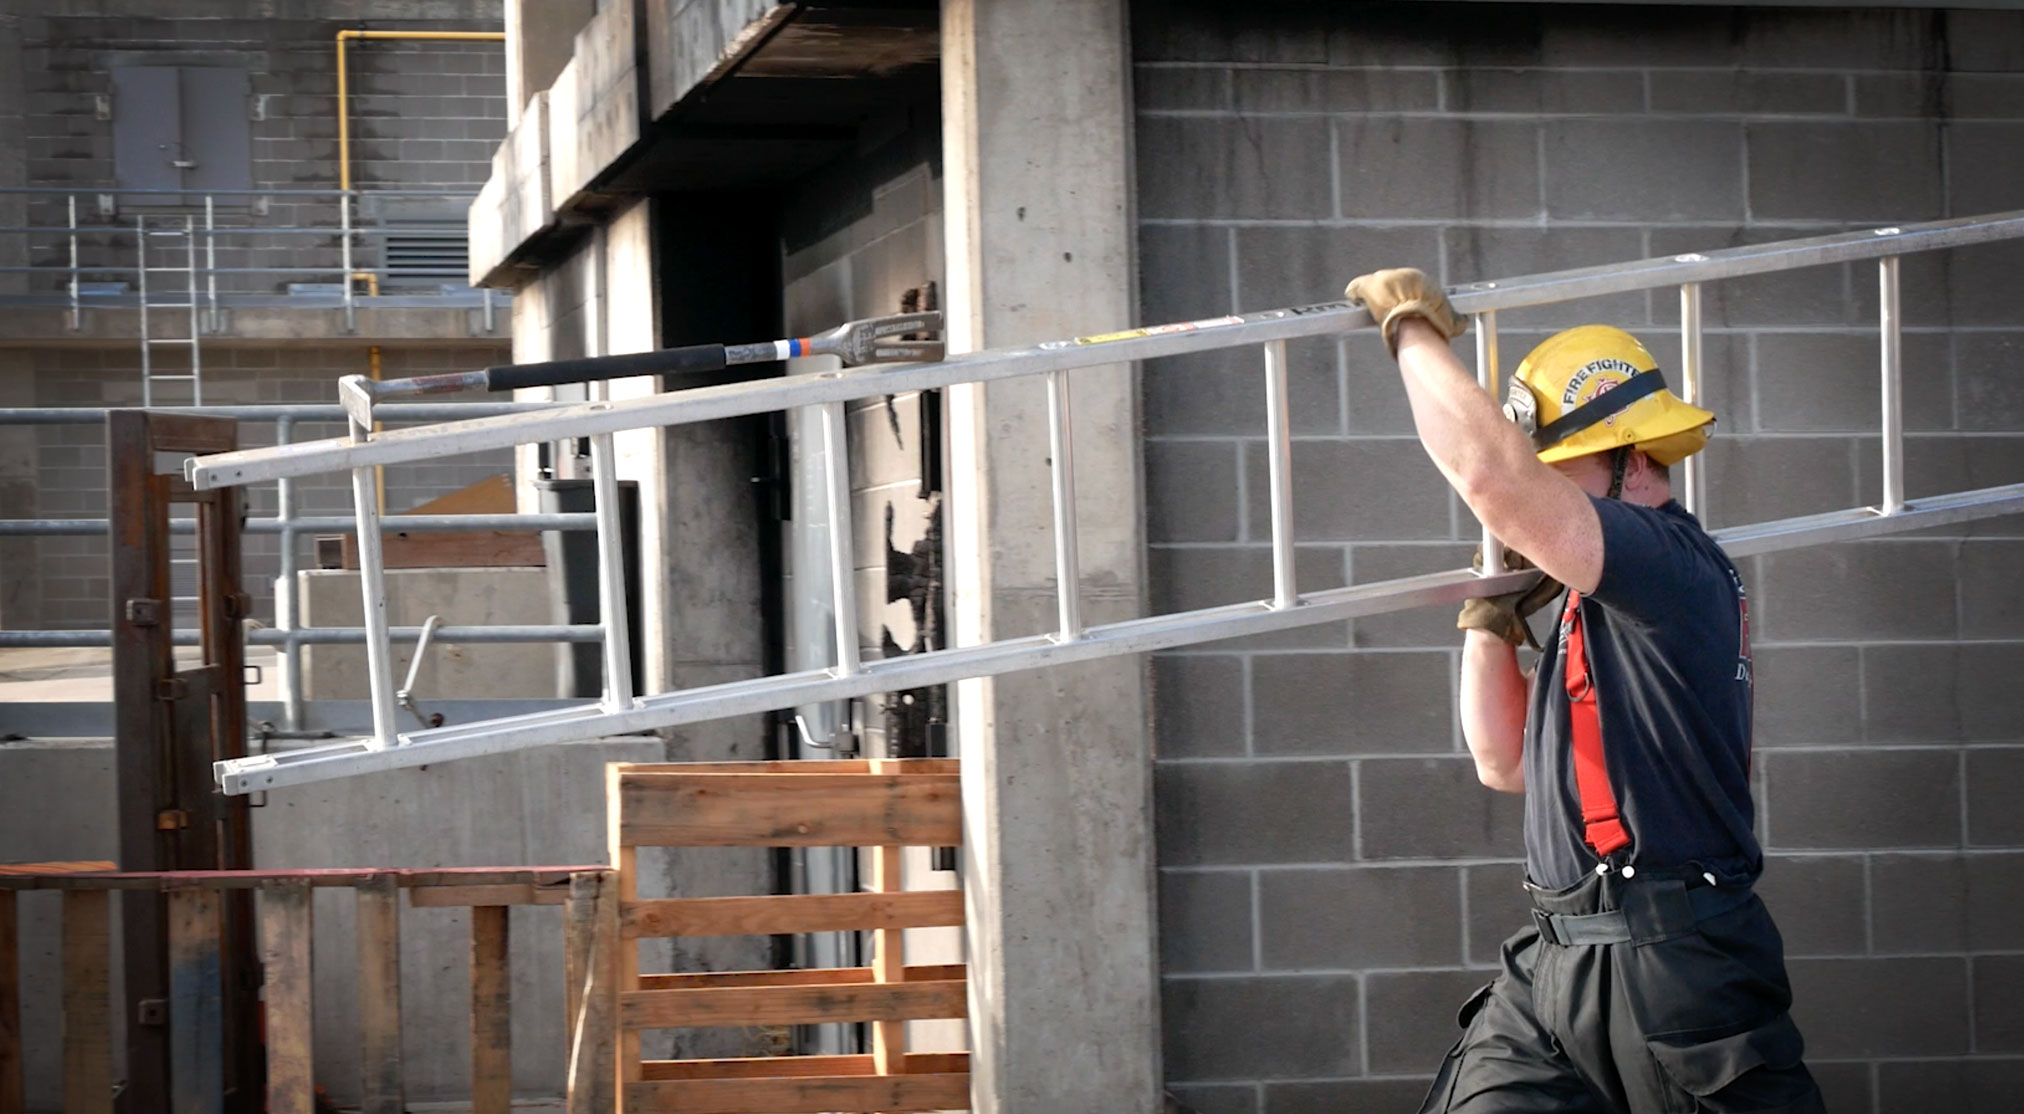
x,y
216,140
147,131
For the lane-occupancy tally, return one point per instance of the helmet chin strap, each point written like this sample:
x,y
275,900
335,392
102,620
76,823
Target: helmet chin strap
x,y
1621,460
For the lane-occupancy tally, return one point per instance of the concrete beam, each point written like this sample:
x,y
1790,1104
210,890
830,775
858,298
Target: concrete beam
x,y
517,202
539,37
1058,864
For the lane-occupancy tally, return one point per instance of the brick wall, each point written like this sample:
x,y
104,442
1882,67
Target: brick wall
x,y
1333,879
70,459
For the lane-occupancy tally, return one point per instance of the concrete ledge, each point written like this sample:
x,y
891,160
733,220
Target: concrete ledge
x,y
596,108
518,201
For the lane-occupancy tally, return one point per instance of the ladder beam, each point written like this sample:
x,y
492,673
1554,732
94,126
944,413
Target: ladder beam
x,y
352,757
1326,319
836,495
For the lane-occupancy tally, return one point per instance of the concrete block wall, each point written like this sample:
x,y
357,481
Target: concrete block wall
x,y
1333,880
424,114
69,460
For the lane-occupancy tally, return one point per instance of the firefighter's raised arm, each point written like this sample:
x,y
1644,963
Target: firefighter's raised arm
x,y
1486,458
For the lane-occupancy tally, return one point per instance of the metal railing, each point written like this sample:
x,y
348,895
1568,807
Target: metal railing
x,y
1072,641
289,635
108,248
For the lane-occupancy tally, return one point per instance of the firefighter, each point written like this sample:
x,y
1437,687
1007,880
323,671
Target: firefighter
x,y
1651,979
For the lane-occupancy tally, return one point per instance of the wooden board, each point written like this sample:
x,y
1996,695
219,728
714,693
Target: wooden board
x,y
792,1067
593,945
491,1011
889,961
379,996
789,810
891,1093
440,897
808,976
286,921
196,1002
13,1099
790,913
452,549
87,1004
719,1007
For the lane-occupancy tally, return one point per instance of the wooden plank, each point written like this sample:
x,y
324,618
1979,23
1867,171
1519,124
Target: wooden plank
x,y
895,1093
784,914
593,942
491,1011
379,996
625,967
196,1003
808,976
87,1005
795,1067
340,878
67,866
286,921
452,549
440,897
718,1007
889,961
789,810
13,1095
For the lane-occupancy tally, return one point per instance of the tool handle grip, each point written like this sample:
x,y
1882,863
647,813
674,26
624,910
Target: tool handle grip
x,y
666,361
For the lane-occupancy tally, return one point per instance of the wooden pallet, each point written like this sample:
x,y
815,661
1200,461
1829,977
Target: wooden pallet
x,y
881,804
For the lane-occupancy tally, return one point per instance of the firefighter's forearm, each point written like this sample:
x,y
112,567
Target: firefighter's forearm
x,y
1493,710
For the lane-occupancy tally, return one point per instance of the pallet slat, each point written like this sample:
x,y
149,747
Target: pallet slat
x,y
592,926
87,1005
196,1003
491,1011
446,897
379,996
285,925
807,976
13,1098
795,1067
789,810
890,1093
789,913
717,1007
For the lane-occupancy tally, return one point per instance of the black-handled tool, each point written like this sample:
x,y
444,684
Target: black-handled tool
x,y
875,340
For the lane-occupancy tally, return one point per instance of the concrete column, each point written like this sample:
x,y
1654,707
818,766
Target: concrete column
x,y
1058,862
540,38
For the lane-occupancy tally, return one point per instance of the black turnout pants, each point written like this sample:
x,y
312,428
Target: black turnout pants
x,y
1687,1015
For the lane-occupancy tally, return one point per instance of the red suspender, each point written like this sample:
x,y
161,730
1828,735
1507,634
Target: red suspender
x,y
1604,829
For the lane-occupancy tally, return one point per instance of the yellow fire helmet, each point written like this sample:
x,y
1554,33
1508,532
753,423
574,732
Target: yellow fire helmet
x,y
1594,388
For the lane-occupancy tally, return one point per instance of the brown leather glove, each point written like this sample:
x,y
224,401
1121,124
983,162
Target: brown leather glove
x,y
1505,616
1395,294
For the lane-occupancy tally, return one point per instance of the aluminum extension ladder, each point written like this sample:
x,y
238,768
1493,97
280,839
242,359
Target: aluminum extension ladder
x,y
194,343
621,711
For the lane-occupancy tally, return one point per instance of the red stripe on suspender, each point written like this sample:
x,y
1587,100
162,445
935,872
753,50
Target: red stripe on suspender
x,y
1603,828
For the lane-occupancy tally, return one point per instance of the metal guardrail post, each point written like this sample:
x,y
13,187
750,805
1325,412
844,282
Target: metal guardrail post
x,y
1486,374
210,264
76,295
141,269
1067,548
1279,454
344,223
1891,326
285,589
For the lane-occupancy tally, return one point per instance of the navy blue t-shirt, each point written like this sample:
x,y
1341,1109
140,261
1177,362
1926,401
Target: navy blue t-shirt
x,y
1668,637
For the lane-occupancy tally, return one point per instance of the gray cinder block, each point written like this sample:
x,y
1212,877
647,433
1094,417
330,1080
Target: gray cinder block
x,y
1279,812
1359,917
1261,1028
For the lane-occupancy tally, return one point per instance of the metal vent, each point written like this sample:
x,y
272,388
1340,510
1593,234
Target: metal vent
x,y
426,256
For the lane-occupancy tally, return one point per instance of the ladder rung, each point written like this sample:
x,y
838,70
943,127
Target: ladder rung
x,y
183,270
158,378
